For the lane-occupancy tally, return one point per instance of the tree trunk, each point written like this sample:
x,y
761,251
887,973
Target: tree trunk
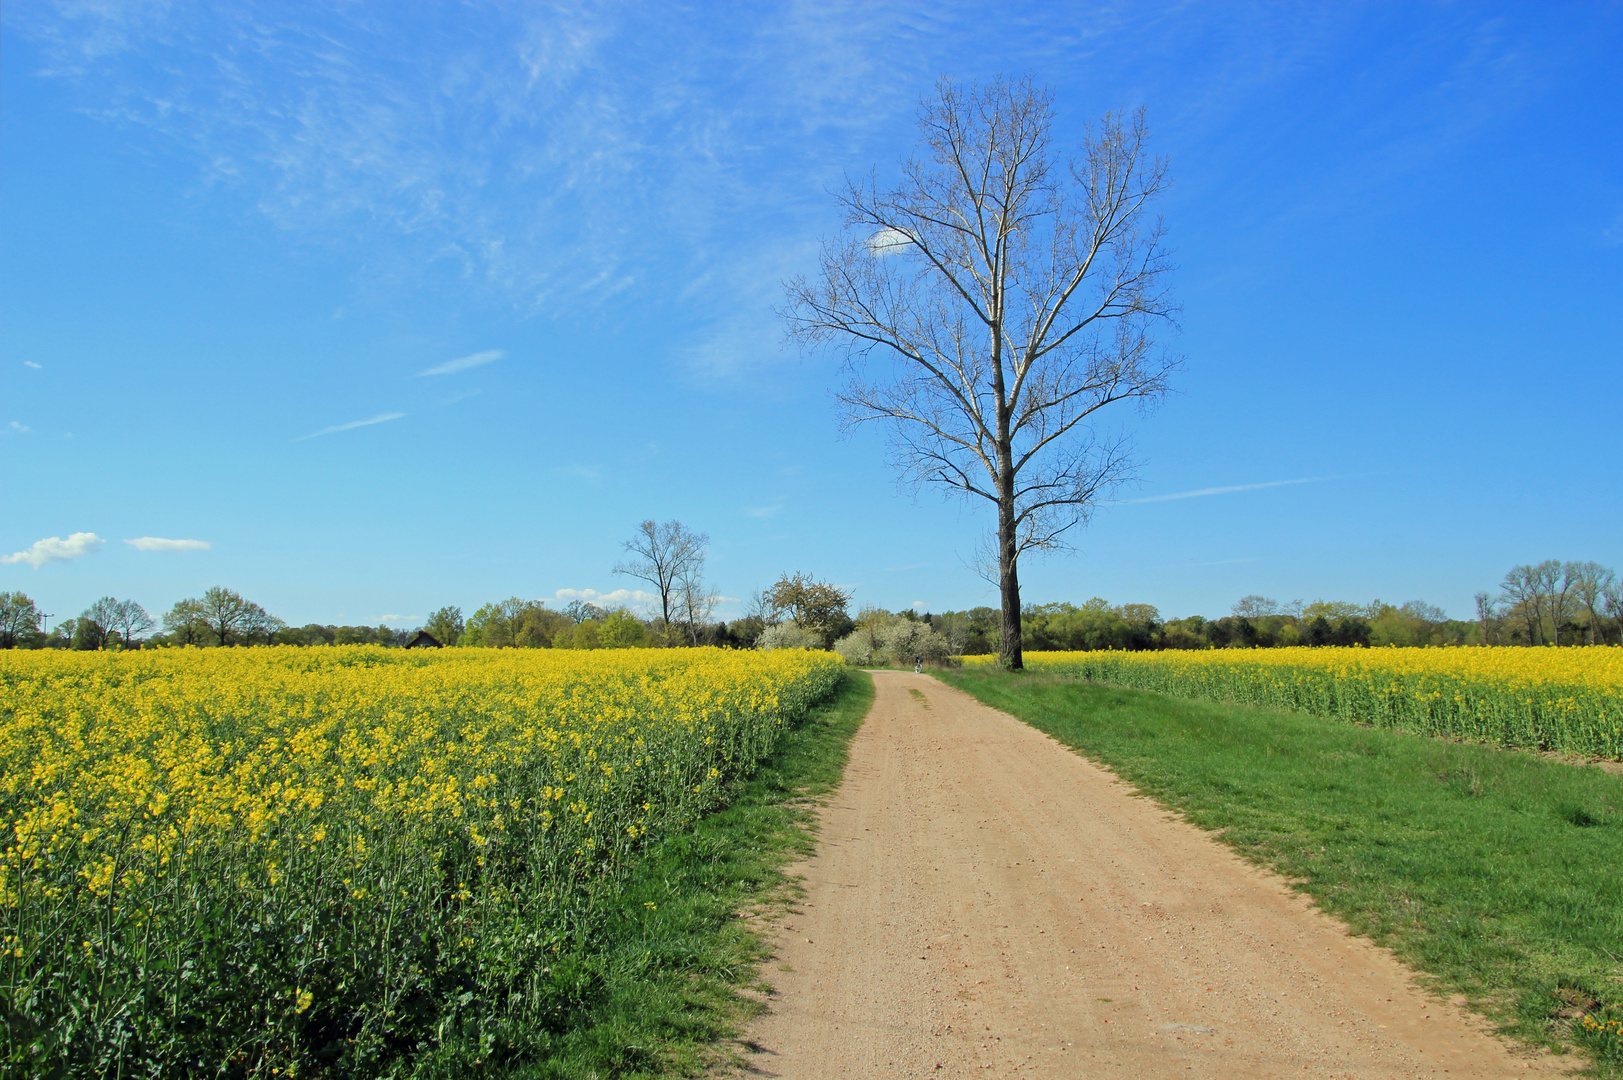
x,y
1009,648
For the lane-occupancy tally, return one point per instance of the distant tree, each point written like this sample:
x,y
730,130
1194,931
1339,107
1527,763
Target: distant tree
x,y
664,556
309,634
743,633
1142,614
1255,607
1016,291
1489,619
96,624
695,602
1319,632
228,614
89,635
1587,583
1613,595
262,627
63,634
515,623
19,619
581,611
815,606
1520,592
187,623
622,630
446,625
1334,610
1352,630
129,619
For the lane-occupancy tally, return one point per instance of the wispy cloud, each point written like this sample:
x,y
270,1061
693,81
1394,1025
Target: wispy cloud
x,y
390,619
463,363
381,418
581,472
454,398
1229,490
30,363
762,511
18,429
159,543
541,152
55,549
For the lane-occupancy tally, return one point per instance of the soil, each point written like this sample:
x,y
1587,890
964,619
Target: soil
x,y
985,902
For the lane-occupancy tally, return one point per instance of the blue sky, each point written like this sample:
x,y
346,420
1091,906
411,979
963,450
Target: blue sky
x,y
401,305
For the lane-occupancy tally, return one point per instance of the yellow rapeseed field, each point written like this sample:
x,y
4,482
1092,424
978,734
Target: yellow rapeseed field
x,y
270,857
1558,699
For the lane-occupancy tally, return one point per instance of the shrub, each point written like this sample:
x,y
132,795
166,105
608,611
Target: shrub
x,y
789,635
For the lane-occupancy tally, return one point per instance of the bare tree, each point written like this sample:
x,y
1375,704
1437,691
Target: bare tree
x,y
1550,595
663,556
1255,607
96,623
1522,596
261,624
1016,290
130,619
1588,583
1488,618
694,602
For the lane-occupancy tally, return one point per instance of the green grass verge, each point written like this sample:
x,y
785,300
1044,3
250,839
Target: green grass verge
x,y
1497,873
650,985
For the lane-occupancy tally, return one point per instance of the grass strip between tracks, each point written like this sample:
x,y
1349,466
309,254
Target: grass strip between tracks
x,y
658,975
1496,873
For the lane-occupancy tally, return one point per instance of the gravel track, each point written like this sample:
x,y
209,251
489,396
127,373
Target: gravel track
x,y
985,902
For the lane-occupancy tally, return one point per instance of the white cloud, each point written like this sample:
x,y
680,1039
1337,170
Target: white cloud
x,y
18,429
888,242
159,543
763,511
30,363
400,619
1223,490
379,419
463,363
617,598
55,549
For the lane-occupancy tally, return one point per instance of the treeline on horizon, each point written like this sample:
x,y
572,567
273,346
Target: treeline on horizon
x,y
1549,603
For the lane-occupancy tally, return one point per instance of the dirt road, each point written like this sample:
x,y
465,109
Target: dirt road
x,y
984,902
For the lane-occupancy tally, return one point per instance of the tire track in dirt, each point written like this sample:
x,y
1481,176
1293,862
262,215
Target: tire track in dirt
x,y
985,902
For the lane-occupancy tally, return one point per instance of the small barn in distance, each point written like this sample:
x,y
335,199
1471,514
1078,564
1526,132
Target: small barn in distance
x,y
424,640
